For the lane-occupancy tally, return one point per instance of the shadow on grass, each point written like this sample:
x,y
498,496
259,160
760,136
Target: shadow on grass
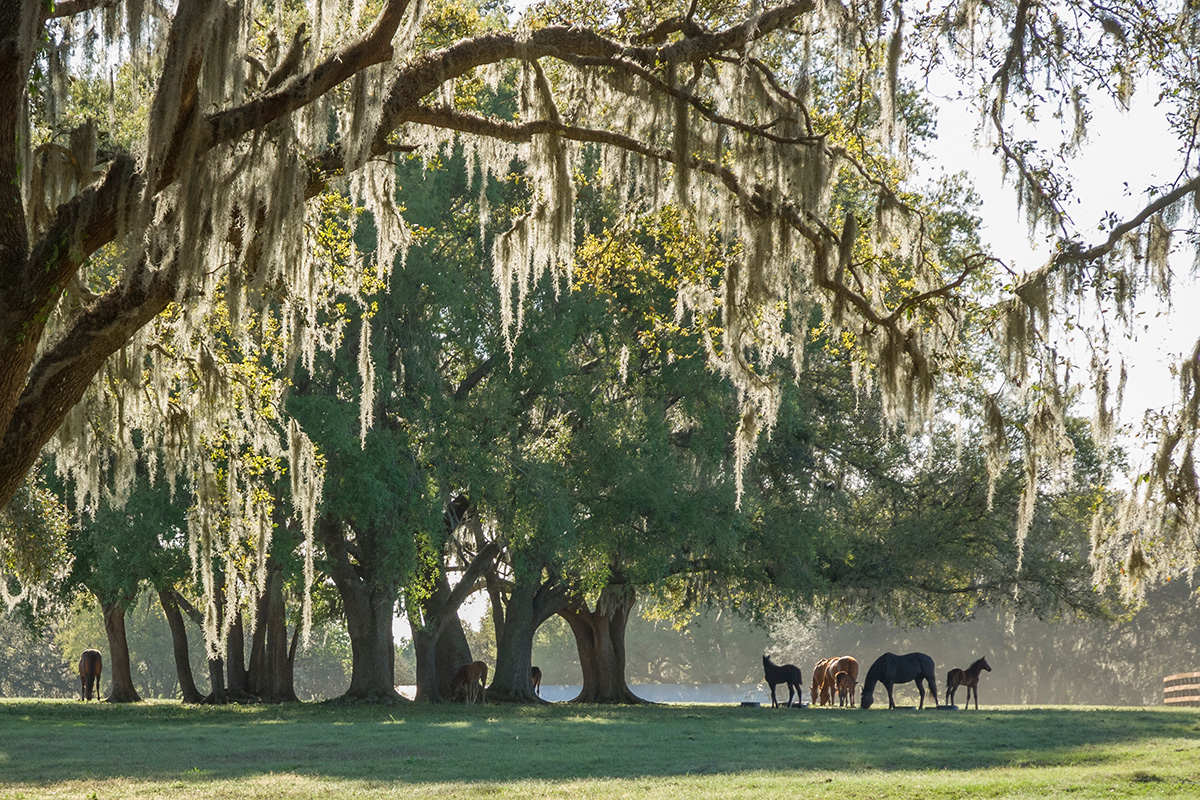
x,y
46,742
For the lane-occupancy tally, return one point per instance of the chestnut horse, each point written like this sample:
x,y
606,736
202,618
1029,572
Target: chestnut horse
x,y
890,669
471,681
969,678
535,675
821,682
90,667
849,665
787,673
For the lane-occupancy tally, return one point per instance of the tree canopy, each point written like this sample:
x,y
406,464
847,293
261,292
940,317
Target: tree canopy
x,y
164,267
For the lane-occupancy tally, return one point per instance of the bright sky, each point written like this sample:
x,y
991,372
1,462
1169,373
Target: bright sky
x,y
1124,153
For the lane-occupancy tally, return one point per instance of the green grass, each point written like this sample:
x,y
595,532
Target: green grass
x,y
164,750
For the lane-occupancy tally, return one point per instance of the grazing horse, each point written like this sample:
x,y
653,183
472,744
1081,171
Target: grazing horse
x,y
969,678
845,688
90,667
789,674
820,682
847,664
890,669
471,681
535,675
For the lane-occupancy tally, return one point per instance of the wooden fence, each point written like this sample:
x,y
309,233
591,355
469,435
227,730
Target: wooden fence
x,y
1182,689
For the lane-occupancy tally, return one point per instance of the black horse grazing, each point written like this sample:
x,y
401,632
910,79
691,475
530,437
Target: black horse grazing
x,y
890,669
90,667
969,678
775,675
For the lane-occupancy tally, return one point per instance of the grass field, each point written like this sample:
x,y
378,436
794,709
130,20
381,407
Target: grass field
x,y
165,750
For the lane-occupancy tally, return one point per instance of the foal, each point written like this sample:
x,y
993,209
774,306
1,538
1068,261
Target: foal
x,y
969,678
789,674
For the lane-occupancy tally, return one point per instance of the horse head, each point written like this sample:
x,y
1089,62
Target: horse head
x,y
868,698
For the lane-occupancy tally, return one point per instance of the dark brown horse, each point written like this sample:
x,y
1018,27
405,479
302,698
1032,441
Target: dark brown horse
x,y
969,678
890,669
90,667
535,675
471,682
787,673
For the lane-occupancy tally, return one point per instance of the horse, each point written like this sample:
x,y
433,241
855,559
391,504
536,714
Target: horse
x,y
845,688
471,681
789,674
890,669
969,678
820,684
535,675
90,667
847,664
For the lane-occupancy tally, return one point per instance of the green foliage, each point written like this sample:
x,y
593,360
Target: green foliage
x,y
30,662
33,540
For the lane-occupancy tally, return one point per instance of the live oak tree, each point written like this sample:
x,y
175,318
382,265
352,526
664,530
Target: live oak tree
x,y
712,104
97,241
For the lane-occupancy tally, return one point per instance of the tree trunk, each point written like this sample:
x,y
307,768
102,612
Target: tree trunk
x,y
216,682
120,678
369,601
179,643
369,621
258,679
436,619
237,683
278,684
600,640
530,603
439,645
216,666
270,674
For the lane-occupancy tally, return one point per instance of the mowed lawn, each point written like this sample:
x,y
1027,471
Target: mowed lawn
x,y
165,750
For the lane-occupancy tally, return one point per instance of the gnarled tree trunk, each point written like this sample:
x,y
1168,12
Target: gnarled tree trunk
x,y
530,603
438,639
600,640
370,601
121,678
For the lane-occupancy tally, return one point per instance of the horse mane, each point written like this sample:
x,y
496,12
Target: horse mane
x,y
977,664
874,673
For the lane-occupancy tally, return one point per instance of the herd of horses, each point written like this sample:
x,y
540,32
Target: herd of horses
x,y
831,677
838,677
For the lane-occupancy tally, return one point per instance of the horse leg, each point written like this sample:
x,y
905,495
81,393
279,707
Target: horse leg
x,y
891,700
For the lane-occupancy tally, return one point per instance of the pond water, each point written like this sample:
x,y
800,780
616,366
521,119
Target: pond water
x,y
714,693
